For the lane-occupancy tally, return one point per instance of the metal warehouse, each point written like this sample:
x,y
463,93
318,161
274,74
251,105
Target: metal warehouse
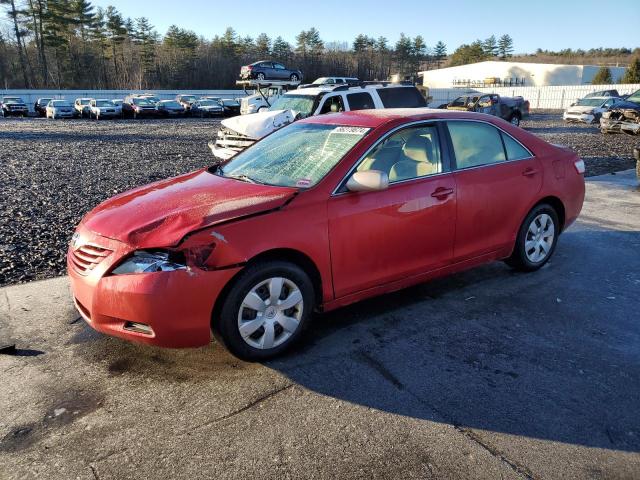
x,y
495,73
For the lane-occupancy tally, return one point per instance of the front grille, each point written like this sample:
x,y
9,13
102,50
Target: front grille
x,y
86,257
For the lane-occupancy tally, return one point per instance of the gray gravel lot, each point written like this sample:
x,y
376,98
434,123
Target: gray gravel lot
x,y
488,374
55,171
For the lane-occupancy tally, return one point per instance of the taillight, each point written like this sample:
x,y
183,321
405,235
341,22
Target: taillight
x,y
579,164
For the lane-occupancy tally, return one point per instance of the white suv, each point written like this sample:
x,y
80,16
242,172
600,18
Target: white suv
x,y
237,133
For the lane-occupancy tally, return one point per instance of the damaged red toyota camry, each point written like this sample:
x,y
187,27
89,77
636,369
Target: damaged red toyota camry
x,y
320,214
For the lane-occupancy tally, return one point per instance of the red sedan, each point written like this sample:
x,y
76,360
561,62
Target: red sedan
x,y
320,214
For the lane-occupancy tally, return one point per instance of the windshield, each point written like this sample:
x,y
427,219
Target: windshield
x,y
142,102
590,102
321,80
85,101
298,155
634,97
302,104
188,98
171,103
116,102
208,103
60,103
12,100
103,103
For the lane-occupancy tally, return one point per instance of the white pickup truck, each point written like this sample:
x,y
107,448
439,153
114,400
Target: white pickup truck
x,y
238,133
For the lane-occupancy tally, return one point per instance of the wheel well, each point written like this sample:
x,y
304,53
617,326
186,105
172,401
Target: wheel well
x,y
286,254
558,206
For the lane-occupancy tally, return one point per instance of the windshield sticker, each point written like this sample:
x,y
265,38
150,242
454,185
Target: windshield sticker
x,y
303,183
351,130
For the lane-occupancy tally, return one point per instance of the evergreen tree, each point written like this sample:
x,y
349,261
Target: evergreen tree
x,y
632,75
602,77
263,46
281,50
490,46
505,46
466,54
439,53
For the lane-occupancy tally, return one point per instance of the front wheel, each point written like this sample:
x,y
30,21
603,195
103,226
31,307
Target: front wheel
x,y
266,310
260,76
294,78
536,240
515,120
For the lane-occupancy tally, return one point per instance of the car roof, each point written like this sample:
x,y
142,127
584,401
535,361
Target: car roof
x,y
381,116
341,88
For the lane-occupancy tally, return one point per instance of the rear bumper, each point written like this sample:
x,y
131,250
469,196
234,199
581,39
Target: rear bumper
x,y
177,305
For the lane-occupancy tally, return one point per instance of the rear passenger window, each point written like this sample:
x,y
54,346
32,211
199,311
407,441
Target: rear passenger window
x,y
401,97
515,151
475,143
360,101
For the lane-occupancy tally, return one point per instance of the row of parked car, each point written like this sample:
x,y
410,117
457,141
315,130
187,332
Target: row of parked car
x,y
132,106
614,113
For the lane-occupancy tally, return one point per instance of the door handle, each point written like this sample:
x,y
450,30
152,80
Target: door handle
x,y
529,172
441,193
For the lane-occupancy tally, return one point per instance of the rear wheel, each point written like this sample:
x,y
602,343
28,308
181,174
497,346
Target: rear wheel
x,y
260,76
294,78
515,119
266,310
536,240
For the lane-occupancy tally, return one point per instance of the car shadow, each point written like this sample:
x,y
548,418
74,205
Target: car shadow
x,y
552,355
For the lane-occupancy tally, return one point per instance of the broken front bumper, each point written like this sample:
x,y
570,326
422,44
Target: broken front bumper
x,y
175,307
608,125
228,144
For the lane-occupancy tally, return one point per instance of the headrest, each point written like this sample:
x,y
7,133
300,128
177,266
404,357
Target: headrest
x,y
418,148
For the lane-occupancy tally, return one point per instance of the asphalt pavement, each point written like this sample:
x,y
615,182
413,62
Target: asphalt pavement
x,y
486,374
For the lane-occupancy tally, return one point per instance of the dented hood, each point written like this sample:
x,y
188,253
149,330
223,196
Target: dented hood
x,y
258,125
162,213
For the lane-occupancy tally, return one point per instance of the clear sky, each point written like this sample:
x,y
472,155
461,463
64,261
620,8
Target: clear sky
x,y
546,24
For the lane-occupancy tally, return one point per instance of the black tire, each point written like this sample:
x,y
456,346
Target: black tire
x,y
260,76
518,259
515,119
226,329
294,77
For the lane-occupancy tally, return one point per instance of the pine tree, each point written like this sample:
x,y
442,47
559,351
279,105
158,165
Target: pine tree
x,y
505,46
632,75
490,46
281,50
439,53
263,46
602,77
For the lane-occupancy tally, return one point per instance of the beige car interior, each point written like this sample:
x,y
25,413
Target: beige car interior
x,y
408,154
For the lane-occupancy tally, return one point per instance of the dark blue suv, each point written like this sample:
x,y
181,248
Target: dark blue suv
x,y
268,70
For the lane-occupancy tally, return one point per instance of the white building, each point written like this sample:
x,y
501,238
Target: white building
x,y
495,73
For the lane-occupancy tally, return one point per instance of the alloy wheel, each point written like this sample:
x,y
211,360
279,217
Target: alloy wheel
x,y
270,313
539,238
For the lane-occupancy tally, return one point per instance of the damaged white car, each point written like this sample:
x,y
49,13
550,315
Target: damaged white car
x,y
589,109
238,133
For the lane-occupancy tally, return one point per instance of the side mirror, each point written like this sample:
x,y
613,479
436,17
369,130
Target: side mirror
x,y
263,109
368,181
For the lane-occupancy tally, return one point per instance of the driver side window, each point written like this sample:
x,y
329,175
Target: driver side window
x,y
332,104
410,153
